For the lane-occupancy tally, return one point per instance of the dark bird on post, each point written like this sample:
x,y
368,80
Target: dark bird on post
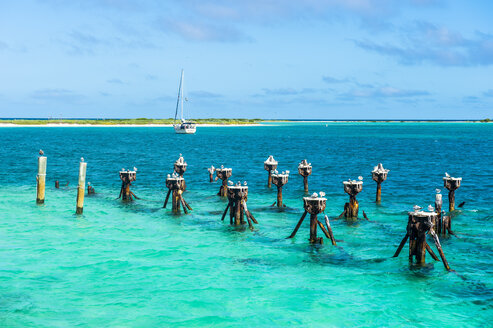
x,y
41,152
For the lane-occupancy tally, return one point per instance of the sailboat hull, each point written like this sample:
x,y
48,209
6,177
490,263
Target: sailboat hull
x,y
185,128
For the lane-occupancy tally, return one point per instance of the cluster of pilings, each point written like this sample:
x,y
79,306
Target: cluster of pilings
x,y
420,223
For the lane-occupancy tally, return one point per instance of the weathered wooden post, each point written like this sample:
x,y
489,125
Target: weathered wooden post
x,y
352,188
280,179
81,187
379,175
418,225
41,178
270,165
224,174
305,169
57,184
315,205
176,185
211,170
180,167
127,178
237,198
452,184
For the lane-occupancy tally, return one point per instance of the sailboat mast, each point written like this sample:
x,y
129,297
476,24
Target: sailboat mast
x,y
181,83
179,95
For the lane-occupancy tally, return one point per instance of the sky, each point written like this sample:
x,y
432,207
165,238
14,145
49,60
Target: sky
x,y
291,59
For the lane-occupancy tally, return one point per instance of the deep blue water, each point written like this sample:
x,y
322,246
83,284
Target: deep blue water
x,y
138,265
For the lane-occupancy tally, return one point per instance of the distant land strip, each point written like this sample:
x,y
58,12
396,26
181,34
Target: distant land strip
x,y
202,121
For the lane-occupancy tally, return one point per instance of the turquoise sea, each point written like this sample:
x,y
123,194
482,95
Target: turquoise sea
x,y
138,265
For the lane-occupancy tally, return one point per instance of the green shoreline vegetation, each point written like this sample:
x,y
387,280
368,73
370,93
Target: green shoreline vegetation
x,y
168,121
134,121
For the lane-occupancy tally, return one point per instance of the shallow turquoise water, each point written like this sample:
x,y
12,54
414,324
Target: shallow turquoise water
x,y
137,265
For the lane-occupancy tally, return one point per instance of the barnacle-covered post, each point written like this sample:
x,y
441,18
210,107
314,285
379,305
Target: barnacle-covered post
x,y
224,174
176,185
315,205
180,167
41,178
280,179
352,188
379,175
305,169
452,184
270,165
418,225
81,187
127,177
211,170
237,198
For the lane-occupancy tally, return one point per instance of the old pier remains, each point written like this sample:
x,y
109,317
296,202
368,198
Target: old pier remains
x,y
280,179
176,185
305,169
419,224
352,188
379,175
315,205
224,174
452,184
237,206
270,165
127,177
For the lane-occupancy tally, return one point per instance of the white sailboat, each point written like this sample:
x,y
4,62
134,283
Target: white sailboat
x,y
184,127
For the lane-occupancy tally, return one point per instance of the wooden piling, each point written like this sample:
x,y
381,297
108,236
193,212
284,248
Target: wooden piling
x,y
237,206
379,175
315,205
57,184
41,180
176,186
270,165
352,188
127,178
452,184
180,167
418,225
211,171
438,224
305,169
280,179
224,174
81,187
